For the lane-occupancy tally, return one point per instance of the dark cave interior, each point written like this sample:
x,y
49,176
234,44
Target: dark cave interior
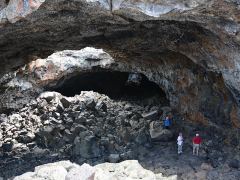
x,y
111,83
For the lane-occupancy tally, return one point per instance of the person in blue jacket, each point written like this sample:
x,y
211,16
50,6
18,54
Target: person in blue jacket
x,y
167,122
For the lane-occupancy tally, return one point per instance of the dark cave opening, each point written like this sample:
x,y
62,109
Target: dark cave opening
x,y
113,84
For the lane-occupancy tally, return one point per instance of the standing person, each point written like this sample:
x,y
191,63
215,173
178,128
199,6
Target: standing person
x,y
180,143
197,140
166,122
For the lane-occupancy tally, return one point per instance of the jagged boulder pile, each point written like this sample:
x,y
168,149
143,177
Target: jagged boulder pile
x,y
93,128
89,125
92,124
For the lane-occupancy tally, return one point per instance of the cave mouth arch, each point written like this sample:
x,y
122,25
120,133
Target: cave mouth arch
x,y
111,83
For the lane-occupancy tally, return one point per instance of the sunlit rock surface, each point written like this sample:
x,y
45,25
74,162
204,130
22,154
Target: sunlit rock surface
x,y
14,10
151,8
70,171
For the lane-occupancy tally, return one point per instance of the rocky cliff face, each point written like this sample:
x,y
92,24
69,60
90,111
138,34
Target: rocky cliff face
x,y
200,95
188,51
192,45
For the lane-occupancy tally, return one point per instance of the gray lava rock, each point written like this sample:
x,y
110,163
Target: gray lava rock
x,y
114,158
49,96
234,164
7,147
159,134
86,147
27,138
142,137
151,115
68,135
90,104
77,128
65,102
101,106
127,155
232,175
45,136
80,119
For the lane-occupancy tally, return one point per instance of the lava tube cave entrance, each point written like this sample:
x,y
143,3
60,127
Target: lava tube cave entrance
x,y
115,84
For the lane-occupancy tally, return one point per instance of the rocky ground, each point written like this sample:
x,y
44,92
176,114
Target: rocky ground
x,y
92,128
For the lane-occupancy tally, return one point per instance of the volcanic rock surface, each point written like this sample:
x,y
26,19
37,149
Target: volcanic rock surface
x,y
89,126
92,128
199,95
197,42
183,54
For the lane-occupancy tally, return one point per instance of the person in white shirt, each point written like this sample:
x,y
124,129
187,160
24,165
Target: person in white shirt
x,y
180,143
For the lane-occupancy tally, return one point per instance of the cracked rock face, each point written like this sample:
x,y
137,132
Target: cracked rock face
x,y
152,8
200,95
145,31
188,50
14,10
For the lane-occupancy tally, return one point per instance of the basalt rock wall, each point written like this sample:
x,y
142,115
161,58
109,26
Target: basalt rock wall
x,y
200,95
189,48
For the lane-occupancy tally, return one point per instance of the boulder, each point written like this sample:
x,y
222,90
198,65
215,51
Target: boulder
x,y
90,103
49,96
141,137
84,172
64,170
130,169
114,158
153,115
65,102
65,164
27,176
80,119
77,128
86,146
234,164
7,147
26,138
51,172
68,135
160,134
45,136
127,155
101,106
